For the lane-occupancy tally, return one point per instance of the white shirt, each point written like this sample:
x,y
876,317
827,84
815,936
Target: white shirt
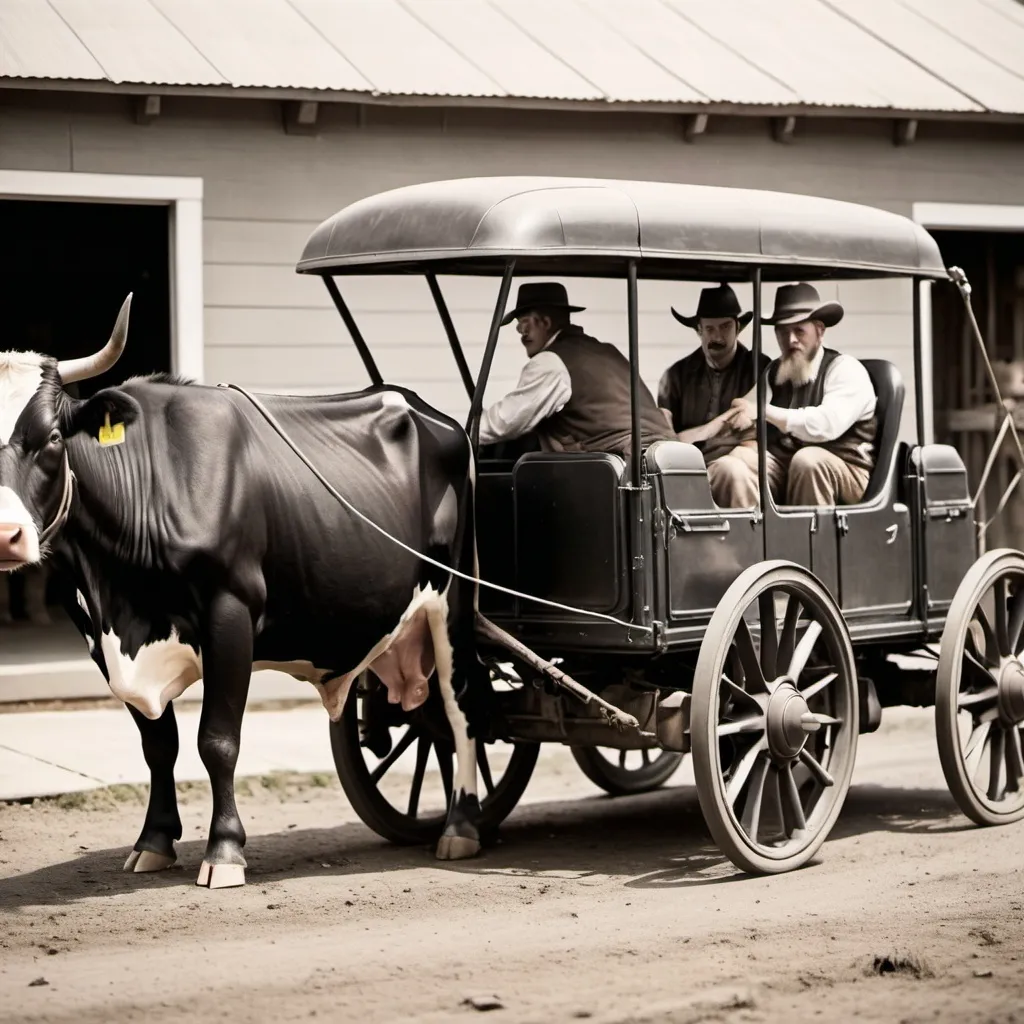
x,y
848,397
544,388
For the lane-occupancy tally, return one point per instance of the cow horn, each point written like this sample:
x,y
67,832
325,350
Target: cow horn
x,y
71,370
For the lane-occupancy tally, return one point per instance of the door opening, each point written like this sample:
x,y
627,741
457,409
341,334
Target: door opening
x,y
965,411
65,268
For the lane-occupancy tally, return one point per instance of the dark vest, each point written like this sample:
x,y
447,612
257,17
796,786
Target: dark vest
x,y
597,416
695,393
855,447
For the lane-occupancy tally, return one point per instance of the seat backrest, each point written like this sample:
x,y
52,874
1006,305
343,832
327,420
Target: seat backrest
x,y
889,392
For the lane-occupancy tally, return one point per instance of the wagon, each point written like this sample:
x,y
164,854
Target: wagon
x,y
622,610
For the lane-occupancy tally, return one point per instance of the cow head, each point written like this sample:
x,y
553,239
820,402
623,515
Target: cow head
x,y
36,417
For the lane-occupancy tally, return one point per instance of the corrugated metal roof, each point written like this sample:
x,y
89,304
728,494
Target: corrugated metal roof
x,y
600,55
700,60
824,58
394,50
261,43
134,42
979,26
35,42
519,65
942,56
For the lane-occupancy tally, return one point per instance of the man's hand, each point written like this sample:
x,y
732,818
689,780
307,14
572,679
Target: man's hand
x,y
741,415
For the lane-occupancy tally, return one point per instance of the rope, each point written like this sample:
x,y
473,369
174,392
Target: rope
x,y
282,433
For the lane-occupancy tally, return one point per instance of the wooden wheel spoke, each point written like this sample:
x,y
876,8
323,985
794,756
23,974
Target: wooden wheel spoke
x,y
973,661
484,765
422,756
645,756
738,692
396,752
622,759
789,797
803,649
755,723
444,764
991,652
813,765
750,818
741,772
974,749
743,644
1014,760
1015,625
997,748
769,636
818,685
787,639
1001,629
969,700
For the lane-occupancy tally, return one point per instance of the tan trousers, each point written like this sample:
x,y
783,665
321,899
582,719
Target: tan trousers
x,y
815,477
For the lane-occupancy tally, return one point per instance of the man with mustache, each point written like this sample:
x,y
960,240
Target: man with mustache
x,y
697,394
821,415
573,395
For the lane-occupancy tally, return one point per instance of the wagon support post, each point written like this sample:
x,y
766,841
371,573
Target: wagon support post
x,y
638,492
353,329
918,360
453,336
477,405
761,430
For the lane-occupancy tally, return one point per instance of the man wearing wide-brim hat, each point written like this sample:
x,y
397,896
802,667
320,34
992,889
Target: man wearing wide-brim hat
x,y
821,411
697,392
574,393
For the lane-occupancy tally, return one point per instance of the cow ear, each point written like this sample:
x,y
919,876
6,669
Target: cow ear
x,y
92,414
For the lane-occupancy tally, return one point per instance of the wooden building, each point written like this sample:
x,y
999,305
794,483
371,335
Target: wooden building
x,y
184,149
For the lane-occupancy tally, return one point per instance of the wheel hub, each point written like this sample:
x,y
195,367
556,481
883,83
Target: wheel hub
x,y
1011,691
789,721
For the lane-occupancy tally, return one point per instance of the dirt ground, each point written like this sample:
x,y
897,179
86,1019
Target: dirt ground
x,y
609,910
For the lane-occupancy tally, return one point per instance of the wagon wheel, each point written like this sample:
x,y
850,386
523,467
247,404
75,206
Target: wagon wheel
x,y
979,690
403,790
625,772
774,718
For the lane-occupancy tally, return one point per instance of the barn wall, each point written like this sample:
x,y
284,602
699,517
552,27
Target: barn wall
x,y
265,190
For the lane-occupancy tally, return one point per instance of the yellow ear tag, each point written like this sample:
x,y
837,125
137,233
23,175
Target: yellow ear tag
x,y
111,434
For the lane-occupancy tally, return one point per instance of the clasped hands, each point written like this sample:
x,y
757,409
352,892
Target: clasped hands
x,y
739,417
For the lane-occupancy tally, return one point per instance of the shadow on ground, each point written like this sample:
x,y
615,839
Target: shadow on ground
x,y
658,840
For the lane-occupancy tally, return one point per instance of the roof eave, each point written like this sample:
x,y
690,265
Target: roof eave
x,y
503,102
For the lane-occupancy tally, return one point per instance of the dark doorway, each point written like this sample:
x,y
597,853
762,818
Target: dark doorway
x,y
965,410
65,269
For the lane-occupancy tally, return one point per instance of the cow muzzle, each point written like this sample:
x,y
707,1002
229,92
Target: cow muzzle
x,y
15,546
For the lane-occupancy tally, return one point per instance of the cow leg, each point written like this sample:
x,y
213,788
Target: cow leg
x,y
154,849
460,838
227,667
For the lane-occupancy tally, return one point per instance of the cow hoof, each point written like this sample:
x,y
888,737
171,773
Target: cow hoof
x,y
457,848
141,861
221,876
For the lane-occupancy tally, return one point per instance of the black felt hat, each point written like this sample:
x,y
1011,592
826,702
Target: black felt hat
x,y
540,295
715,304
795,303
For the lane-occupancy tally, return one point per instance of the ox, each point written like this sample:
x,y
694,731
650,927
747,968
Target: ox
x,y
201,547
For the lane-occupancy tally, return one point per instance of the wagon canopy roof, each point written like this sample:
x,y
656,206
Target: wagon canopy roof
x,y
589,227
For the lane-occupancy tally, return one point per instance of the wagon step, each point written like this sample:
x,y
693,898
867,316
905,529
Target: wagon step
x,y
620,719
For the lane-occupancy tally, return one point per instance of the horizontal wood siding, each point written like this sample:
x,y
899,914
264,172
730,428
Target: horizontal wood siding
x,y
269,328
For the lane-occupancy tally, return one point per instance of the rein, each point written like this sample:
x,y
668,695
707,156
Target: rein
x,y
61,516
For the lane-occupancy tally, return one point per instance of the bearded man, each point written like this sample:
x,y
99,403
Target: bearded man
x,y
821,414
696,393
